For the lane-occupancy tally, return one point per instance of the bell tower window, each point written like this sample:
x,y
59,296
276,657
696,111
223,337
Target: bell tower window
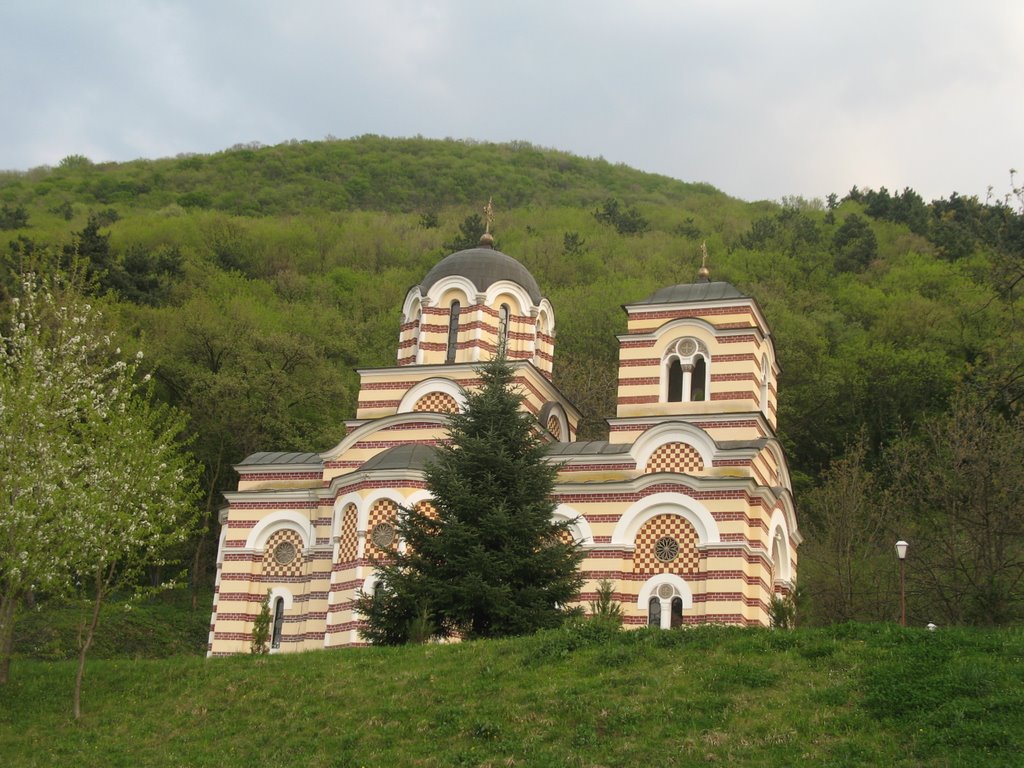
x,y
675,381
453,331
697,379
685,372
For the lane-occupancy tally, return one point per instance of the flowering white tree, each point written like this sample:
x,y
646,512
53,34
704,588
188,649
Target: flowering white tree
x,y
96,485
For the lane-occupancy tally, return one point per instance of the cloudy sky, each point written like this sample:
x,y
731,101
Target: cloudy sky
x,y
761,99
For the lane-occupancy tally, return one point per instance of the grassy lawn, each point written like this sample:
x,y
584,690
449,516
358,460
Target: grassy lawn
x,y
845,696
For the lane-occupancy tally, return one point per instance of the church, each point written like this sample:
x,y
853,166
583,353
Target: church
x,y
686,508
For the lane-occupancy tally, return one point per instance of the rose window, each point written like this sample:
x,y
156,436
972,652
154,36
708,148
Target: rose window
x,y
666,549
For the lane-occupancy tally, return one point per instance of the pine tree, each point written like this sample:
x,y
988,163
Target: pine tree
x,y
491,562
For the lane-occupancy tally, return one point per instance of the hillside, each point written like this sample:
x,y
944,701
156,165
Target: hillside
x,y
259,278
852,695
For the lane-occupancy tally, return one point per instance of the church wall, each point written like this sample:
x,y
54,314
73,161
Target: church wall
x,y
248,569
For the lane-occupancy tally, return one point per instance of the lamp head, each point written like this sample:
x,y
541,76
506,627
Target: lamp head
x,y
901,549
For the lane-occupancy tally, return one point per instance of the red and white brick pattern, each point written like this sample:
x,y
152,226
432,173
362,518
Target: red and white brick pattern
x,y
645,560
675,457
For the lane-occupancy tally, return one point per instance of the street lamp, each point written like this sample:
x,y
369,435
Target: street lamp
x,y
901,553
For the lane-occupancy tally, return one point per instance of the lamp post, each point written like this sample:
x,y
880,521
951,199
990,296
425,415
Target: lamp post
x,y
901,553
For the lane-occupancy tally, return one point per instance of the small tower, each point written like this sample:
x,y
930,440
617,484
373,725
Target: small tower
x,y
696,349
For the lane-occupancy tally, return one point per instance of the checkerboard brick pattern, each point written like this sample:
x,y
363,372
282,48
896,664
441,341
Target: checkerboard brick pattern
x,y
566,537
349,540
437,402
675,457
274,569
555,428
646,561
427,509
382,511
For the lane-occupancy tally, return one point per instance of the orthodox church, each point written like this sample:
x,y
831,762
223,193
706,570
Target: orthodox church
x,y
687,508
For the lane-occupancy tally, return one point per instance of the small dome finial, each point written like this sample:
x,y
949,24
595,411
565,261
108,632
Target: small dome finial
x,y
487,239
704,274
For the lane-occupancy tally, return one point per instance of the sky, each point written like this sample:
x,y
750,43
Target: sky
x,y
760,99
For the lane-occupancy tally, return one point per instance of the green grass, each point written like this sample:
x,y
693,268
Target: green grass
x,y
155,628
848,696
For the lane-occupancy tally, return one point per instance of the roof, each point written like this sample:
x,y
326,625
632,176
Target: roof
x,y
588,448
483,267
685,292
408,456
280,457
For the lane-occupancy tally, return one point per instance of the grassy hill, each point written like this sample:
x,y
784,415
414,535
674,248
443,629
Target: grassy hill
x,y
848,696
258,279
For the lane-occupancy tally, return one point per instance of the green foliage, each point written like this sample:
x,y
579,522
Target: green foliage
x,y
260,644
783,612
470,231
957,494
74,161
491,563
606,608
627,221
854,245
15,217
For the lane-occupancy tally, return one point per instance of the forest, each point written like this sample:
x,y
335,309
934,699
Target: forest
x,y
258,279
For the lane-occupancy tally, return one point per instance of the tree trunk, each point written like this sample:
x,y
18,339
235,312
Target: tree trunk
x,y
210,513
84,649
7,604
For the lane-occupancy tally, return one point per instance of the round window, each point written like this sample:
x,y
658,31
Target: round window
x,y
666,549
284,553
383,535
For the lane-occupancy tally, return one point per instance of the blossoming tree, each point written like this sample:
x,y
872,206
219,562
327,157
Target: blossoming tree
x,y
96,484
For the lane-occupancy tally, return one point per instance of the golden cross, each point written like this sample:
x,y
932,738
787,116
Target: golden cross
x,y
704,254
488,215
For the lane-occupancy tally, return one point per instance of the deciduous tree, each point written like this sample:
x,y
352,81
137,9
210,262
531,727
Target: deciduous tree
x,y
96,486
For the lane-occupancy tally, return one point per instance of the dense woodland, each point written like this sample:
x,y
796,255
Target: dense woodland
x,y
259,278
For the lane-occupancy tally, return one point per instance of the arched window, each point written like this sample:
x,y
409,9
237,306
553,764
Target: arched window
x,y
453,331
677,612
275,641
685,372
675,381
503,316
698,379
654,612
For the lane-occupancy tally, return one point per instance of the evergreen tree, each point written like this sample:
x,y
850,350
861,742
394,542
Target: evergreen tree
x,y
261,629
490,562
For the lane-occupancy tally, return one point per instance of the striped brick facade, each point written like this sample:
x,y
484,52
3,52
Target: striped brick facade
x,y
687,503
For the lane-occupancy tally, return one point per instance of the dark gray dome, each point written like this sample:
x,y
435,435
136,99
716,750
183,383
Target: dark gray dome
x,y
483,267
408,456
678,294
